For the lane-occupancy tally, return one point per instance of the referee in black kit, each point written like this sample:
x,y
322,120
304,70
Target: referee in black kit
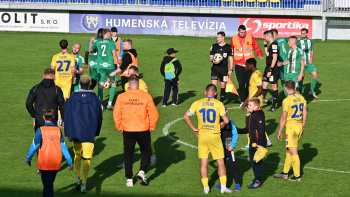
x,y
219,68
271,69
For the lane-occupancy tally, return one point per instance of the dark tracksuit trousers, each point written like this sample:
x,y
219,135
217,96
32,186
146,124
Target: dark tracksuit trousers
x,y
243,81
257,167
167,89
229,156
143,139
48,177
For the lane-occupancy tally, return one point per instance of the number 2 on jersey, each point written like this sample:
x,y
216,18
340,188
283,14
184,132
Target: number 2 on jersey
x,y
59,69
103,50
300,108
206,115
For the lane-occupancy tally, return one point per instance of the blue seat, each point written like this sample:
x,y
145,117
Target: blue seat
x,y
203,3
215,3
238,3
263,3
119,2
168,2
313,2
85,1
227,3
287,4
103,1
131,2
61,1
179,2
299,3
191,2
250,3
155,2
143,2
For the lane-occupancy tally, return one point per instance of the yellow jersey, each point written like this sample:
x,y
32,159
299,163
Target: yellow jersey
x,y
254,82
209,110
63,62
142,86
294,105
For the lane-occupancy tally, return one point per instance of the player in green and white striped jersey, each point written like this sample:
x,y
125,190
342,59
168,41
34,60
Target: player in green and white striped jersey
x,y
307,45
79,61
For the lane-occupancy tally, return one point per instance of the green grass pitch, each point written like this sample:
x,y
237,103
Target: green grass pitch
x,y
323,149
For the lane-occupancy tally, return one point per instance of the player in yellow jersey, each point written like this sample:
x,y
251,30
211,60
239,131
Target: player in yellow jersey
x,y
63,64
255,90
209,110
294,117
133,70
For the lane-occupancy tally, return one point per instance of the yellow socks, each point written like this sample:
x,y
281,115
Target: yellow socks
x,y
267,137
296,165
77,164
287,163
152,148
223,180
248,138
205,182
86,170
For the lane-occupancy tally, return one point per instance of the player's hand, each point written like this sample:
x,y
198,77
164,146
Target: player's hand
x,y
230,148
268,75
310,61
261,57
300,77
29,163
279,64
87,67
68,139
119,59
215,62
279,136
71,168
303,130
229,74
195,131
74,80
92,39
33,122
258,146
265,42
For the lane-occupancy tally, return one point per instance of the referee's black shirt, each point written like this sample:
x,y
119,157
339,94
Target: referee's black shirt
x,y
225,50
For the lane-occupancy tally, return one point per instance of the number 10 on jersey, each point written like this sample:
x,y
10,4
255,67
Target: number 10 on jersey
x,y
208,115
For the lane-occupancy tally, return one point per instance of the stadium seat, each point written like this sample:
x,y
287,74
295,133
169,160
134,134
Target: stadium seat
x,y
313,2
168,2
155,2
226,3
299,3
131,2
250,3
85,1
238,3
143,2
119,2
191,2
263,3
179,2
203,3
215,3
61,1
287,4
103,1
275,3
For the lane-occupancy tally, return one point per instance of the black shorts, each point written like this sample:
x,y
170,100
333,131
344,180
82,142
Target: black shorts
x,y
274,75
219,73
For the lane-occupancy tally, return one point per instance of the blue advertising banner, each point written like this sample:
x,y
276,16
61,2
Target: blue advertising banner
x,y
154,24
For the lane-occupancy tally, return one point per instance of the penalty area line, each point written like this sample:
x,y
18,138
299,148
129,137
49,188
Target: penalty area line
x,y
166,133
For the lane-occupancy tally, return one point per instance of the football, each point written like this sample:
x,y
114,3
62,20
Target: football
x,y
107,85
217,58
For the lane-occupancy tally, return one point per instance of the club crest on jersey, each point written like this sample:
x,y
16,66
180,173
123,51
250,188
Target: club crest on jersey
x,y
225,55
274,46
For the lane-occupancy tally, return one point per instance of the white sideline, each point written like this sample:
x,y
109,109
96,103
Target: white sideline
x,y
167,127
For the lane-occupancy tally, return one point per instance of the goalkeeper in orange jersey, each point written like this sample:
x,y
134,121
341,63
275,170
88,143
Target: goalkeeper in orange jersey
x,y
294,116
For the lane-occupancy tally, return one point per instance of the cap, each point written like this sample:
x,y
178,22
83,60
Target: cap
x,y
114,29
85,79
171,51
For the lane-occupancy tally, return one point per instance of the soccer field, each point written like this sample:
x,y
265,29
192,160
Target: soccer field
x,y
325,162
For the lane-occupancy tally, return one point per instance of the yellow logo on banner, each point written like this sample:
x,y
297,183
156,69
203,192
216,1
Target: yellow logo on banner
x,y
91,20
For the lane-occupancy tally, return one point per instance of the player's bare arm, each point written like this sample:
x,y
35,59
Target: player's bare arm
x,y
265,46
283,63
304,118
87,60
283,121
189,124
80,71
300,77
225,122
90,46
232,65
311,57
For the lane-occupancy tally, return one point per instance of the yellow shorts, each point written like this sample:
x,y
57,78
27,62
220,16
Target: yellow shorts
x,y
209,142
86,149
293,135
66,89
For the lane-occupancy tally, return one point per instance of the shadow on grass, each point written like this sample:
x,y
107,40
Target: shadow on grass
x,y
166,157
306,90
270,168
306,155
182,97
271,125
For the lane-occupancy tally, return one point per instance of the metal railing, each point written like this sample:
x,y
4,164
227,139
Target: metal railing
x,y
241,4
337,6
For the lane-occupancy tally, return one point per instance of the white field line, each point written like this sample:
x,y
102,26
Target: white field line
x,y
166,133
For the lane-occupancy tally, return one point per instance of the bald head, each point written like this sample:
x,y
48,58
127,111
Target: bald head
x,y
210,90
76,48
